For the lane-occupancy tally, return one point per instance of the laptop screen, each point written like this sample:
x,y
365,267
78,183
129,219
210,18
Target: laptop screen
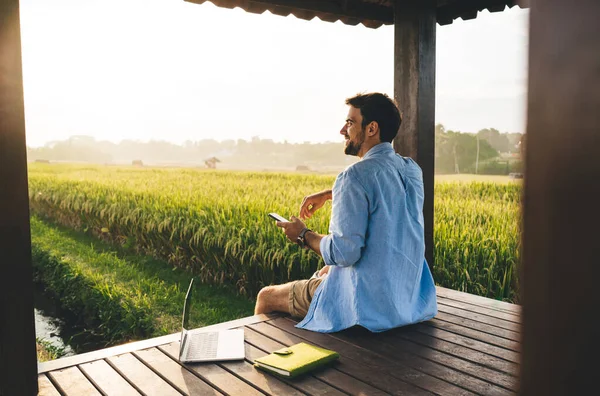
x,y
186,311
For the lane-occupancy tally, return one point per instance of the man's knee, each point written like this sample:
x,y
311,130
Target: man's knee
x,y
273,298
265,294
264,300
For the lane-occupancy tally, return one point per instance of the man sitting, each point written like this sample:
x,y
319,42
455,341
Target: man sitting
x,y
376,275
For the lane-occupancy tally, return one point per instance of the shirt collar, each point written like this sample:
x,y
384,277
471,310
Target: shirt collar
x,y
380,148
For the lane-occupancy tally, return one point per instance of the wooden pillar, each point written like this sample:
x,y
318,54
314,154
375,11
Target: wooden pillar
x,y
561,251
18,362
414,91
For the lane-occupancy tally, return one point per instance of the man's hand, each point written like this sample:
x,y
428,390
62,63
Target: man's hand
x,y
292,228
312,203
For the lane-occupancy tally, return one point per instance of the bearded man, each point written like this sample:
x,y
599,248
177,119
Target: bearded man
x,y
375,272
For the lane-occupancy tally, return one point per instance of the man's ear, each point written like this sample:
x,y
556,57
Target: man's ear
x,y
372,128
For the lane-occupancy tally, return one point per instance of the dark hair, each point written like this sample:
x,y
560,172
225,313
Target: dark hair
x,y
380,108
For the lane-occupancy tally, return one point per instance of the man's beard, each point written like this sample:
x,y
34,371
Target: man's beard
x,y
354,148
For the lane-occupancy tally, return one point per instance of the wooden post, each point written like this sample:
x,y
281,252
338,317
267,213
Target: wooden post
x,y
561,251
18,361
414,91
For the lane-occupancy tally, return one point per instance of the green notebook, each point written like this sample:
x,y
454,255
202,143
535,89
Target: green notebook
x,y
295,360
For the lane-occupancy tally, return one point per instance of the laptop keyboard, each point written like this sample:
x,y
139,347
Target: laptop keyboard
x,y
203,346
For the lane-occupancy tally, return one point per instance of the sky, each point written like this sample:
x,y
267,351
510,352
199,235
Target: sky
x,y
176,71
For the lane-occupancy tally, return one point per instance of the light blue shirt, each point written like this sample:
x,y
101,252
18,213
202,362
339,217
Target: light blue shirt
x,y
379,277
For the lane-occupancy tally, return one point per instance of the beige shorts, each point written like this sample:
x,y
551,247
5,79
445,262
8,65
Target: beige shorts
x,y
301,294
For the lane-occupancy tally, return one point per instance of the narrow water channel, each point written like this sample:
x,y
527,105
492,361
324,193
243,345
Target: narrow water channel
x,y
59,327
47,329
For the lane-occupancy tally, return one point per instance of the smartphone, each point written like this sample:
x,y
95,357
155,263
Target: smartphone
x,y
277,217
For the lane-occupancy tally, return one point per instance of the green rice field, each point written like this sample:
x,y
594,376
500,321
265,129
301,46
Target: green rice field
x,y
214,223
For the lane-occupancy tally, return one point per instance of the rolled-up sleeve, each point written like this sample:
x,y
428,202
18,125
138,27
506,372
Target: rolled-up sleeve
x,y
349,219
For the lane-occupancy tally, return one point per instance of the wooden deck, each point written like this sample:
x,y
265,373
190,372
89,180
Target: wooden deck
x,y
471,347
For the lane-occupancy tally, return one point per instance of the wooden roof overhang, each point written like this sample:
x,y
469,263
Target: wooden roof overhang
x,y
371,13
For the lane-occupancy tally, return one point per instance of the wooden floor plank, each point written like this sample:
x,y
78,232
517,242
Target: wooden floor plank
x,y
475,334
478,300
462,352
349,384
468,342
306,384
390,364
496,322
45,387
214,374
475,325
107,379
141,376
510,317
338,375
266,383
174,373
71,381
392,346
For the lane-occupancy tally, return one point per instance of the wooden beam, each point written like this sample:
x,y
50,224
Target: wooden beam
x,y
18,361
561,252
414,91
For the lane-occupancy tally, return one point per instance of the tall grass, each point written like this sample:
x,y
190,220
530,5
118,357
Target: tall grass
x,y
476,238
215,223
118,297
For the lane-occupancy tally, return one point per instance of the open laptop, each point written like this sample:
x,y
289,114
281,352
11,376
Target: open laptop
x,y
208,346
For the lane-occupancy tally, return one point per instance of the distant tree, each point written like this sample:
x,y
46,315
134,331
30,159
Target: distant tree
x,y
440,138
70,150
514,140
440,129
499,141
457,152
254,153
522,146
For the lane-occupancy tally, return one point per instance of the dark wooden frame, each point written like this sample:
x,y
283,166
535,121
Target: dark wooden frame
x,y
561,194
561,252
18,362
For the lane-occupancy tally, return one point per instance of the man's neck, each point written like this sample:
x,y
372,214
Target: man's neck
x,y
365,148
